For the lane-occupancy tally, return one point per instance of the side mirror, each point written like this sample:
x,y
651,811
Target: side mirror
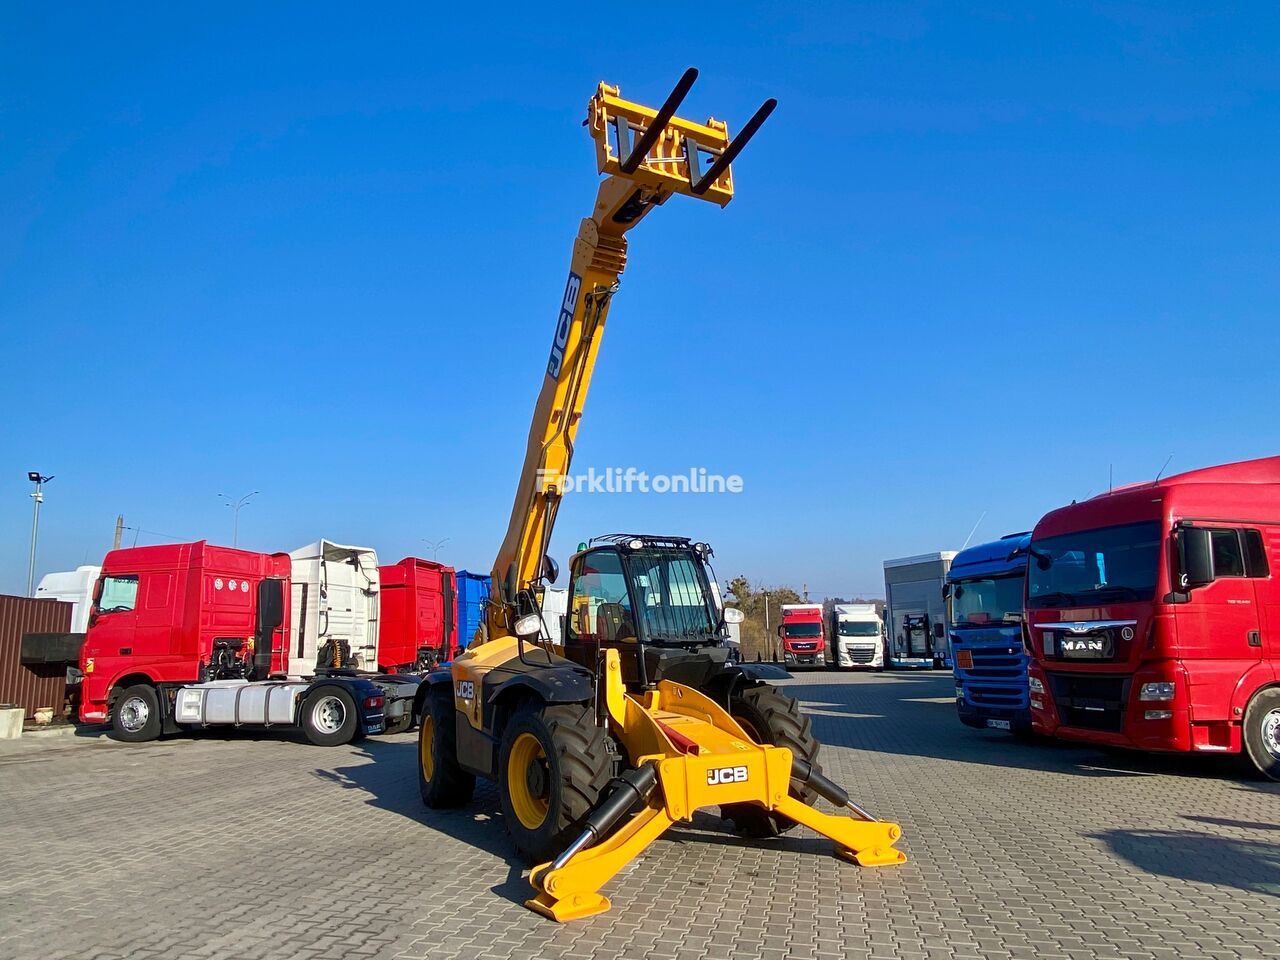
x,y
733,615
779,629
270,604
1195,558
550,570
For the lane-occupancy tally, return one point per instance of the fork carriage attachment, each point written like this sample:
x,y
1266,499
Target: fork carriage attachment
x,y
689,753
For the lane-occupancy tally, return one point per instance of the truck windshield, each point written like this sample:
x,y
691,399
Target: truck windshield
x,y
986,600
803,629
853,628
1107,565
673,595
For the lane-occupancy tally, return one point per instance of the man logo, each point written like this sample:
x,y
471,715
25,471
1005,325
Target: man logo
x,y
466,690
726,775
567,306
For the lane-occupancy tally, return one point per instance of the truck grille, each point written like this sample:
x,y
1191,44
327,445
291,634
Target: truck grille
x,y
997,663
804,647
861,654
1090,701
997,696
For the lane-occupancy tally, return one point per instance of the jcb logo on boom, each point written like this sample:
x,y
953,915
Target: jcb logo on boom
x,y
726,775
567,306
466,690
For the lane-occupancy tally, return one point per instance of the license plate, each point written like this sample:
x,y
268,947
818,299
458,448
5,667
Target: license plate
x,y
999,725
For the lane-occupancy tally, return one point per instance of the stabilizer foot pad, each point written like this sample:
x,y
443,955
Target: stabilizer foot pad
x,y
873,857
574,907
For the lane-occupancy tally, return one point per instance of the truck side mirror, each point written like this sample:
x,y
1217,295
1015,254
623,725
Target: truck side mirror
x,y
1195,558
779,629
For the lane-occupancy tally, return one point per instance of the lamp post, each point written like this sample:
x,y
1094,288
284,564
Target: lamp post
x,y
235,506
39,480
435,545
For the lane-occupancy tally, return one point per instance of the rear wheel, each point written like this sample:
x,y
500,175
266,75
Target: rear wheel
x,y
135,718
441,780
329,717
772,718
553,764
1262,733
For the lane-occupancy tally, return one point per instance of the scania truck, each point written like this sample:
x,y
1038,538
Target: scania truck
x,y
192,635
984,590
1154,615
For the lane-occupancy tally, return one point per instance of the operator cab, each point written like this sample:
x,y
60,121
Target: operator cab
x,y
650,598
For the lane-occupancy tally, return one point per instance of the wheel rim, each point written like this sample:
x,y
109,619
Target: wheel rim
x,y
329,714
529,781
426,740
1271,733
134,714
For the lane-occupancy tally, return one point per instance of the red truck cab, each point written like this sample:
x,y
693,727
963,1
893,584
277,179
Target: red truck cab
x,y
802,636
181,613
417,628
1153,614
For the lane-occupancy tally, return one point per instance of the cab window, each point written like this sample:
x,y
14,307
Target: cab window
x,y
118,594
600,607
1228,561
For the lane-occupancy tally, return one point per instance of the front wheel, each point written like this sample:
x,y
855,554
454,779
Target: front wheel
x,y
136,715
1262,733
553,764
329,717
771,718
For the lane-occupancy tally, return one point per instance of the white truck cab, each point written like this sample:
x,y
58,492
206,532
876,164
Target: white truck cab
x,y
857,636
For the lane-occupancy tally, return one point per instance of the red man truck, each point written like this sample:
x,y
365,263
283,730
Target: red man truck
x,y
194,635
1154,615
801,633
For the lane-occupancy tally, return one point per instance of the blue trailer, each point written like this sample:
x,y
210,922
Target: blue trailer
x,y
473,591
985,625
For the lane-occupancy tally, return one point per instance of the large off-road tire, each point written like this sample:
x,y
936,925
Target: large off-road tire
x,y
441,781
135,717
329,717
772,718
553,764
1261,733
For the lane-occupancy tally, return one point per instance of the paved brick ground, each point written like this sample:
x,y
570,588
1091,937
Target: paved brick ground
x,y
244,847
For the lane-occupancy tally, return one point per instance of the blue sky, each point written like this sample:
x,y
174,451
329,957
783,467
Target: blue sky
x,y
980,255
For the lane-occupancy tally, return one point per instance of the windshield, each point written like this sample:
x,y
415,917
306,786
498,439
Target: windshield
x,y
674,596
986,600
1108,565
853,628
803,629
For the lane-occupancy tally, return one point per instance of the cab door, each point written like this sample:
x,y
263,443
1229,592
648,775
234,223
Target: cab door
x,y
1219,627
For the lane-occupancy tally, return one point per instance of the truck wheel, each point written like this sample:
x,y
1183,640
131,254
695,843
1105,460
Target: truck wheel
x,y
135,718
553,764
329,717
441,781
771,718
1262,732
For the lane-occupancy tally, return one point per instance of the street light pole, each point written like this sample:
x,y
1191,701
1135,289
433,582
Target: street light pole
x,y
235,506
39,480
435,545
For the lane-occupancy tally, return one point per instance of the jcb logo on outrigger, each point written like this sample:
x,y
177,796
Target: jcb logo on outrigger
x,y
726,775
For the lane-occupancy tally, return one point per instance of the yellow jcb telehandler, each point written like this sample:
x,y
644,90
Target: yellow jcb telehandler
x,y
636,719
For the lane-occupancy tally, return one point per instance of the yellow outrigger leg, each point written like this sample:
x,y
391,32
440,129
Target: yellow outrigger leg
x,y
689,753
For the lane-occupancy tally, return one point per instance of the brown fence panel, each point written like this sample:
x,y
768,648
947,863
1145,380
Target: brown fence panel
x,y
31,687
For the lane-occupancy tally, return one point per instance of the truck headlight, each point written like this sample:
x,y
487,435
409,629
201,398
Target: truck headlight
x,y
1156,691
1035,686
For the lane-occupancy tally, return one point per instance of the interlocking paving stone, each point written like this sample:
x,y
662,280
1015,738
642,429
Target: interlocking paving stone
x,y
234,845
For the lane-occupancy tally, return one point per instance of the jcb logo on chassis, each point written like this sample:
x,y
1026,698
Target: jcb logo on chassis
x,y
567,306
466,690
726,775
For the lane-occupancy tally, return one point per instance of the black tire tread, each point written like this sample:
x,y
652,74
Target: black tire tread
x,y
1261,762
784,726
452,786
